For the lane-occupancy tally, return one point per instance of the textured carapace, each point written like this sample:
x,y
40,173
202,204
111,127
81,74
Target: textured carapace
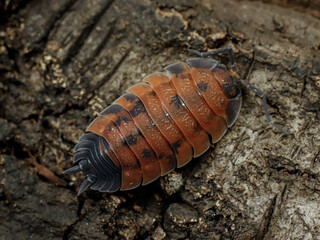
x,y
158,125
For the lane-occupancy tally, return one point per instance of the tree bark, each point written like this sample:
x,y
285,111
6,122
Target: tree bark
x,y
62,62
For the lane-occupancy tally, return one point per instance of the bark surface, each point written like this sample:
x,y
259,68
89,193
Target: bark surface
x,y
62,62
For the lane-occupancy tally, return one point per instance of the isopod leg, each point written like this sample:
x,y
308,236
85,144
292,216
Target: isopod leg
x,y
261,95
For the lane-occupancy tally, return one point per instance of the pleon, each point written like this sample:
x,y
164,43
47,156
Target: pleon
x,y
131,168
135,140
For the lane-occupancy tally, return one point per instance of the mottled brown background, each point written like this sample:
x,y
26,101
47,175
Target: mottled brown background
x,y
62,62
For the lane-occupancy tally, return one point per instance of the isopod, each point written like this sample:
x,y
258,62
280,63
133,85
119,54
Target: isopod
x,y
160,124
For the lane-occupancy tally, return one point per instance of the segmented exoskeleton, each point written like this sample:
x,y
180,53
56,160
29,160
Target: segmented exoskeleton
x,y
160,124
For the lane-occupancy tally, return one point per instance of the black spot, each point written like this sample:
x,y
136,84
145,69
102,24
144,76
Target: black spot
x,y
130,97
176,145
133,166
175,100
114,108
118,121
131,140
147,153
203,86
172,160
137,109
230,90
122,119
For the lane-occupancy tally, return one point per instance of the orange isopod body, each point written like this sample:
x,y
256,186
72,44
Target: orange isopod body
x,y
158,125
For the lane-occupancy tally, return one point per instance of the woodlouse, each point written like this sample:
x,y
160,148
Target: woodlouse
x,y
160,124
